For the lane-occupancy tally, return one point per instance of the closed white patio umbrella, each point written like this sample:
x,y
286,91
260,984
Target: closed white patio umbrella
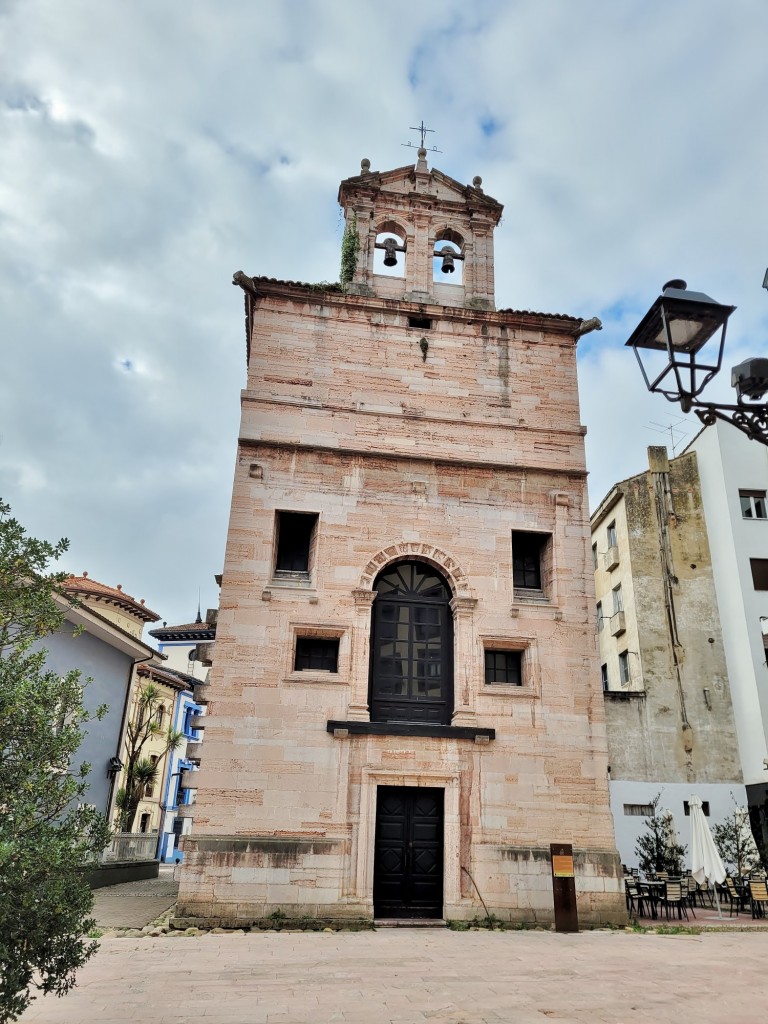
x,y
705,860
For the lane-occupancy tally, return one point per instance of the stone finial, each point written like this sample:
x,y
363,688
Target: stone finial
x,y
119,586
85,575
421,164
477,182
365,165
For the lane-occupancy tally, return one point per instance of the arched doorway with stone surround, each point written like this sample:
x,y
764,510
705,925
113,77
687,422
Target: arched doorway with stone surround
x,y
411,659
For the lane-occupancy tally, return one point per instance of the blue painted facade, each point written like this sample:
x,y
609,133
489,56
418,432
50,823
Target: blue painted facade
x,y
174,797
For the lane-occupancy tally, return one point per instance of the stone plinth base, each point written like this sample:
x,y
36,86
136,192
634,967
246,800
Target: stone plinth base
x,y
232,882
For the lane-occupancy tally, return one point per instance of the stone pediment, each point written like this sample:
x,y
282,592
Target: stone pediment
x,y
410,179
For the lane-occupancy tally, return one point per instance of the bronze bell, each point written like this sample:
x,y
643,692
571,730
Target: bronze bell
x,y
447,267
390,249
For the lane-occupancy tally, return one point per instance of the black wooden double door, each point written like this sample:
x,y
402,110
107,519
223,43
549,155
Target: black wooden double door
x,y
408,860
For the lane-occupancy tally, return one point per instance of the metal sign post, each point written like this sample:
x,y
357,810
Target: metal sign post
x,y
564,887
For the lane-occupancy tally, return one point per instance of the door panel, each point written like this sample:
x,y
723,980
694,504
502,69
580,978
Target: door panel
x,y
408,859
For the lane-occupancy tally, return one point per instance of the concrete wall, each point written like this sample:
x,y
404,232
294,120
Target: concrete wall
x,y
678,732
723,799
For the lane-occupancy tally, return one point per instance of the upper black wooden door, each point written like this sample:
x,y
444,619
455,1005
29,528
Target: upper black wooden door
x,y
411,647
408,861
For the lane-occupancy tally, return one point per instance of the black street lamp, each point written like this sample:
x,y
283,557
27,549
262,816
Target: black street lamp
x,y
679,324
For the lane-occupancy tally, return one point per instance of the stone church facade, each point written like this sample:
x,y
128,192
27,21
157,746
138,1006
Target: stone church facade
x,y
405,708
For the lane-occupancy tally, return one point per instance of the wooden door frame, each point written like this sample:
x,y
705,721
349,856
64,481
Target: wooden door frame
x,y
371,779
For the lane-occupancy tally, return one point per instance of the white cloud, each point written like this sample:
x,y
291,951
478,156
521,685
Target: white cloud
x,y
147,151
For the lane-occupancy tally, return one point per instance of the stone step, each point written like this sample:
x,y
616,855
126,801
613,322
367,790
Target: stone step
x,y
409,922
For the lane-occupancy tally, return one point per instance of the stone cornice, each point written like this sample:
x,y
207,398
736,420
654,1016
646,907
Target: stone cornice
x,y
351,410
331,295
246,443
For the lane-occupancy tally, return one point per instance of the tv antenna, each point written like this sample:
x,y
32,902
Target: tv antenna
x,y
676,436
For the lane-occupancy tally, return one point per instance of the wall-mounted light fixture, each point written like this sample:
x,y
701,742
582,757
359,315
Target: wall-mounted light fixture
x,y
679,325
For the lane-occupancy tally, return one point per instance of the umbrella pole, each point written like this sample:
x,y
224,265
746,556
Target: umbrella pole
x,y
717,901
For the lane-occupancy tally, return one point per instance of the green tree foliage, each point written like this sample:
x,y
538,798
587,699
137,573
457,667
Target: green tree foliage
x,y
735,844
47,833
657,847
140,771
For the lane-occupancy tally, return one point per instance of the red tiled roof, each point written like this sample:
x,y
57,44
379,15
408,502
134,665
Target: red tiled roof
x,y
331,286
168,676
86,587
189,631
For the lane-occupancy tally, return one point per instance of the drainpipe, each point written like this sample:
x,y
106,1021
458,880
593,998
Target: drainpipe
x,y
658,463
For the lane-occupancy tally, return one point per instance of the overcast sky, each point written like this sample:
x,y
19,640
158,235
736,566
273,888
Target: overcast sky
x,y
150,149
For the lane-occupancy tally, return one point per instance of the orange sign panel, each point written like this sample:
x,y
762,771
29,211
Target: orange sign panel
x,y
562,866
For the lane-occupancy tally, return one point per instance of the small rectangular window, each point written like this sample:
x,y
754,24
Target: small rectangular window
x,y
704,807
618,600
317,654
624,667
149,789
612,535
759,567
527,554
753,505
504,667
422,322
295,541
594,556
599,610
604,676
638,810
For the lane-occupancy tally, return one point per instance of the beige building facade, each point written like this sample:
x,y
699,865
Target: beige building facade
x,y
671,727
404,709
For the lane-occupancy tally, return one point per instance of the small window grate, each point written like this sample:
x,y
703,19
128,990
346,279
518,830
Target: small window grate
x,y
504,667
316,654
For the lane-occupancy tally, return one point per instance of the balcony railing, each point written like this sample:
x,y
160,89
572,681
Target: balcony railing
x,y
126,846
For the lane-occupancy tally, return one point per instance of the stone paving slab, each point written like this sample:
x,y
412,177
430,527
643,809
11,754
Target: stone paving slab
x,y
404,976
134,904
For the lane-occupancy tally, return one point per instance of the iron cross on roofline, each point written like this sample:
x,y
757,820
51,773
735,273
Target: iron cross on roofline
x,y
422,128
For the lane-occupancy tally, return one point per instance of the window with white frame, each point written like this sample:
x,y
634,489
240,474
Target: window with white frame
x,y
753,504
624,667
611,531
618,600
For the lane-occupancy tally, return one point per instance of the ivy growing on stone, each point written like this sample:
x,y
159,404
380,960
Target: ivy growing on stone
x,y
350,247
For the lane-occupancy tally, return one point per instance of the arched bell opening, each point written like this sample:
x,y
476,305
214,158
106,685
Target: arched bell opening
x,y
411,669
389,250
448,258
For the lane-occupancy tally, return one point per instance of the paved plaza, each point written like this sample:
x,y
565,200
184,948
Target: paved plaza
x,y
135,904
410,976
